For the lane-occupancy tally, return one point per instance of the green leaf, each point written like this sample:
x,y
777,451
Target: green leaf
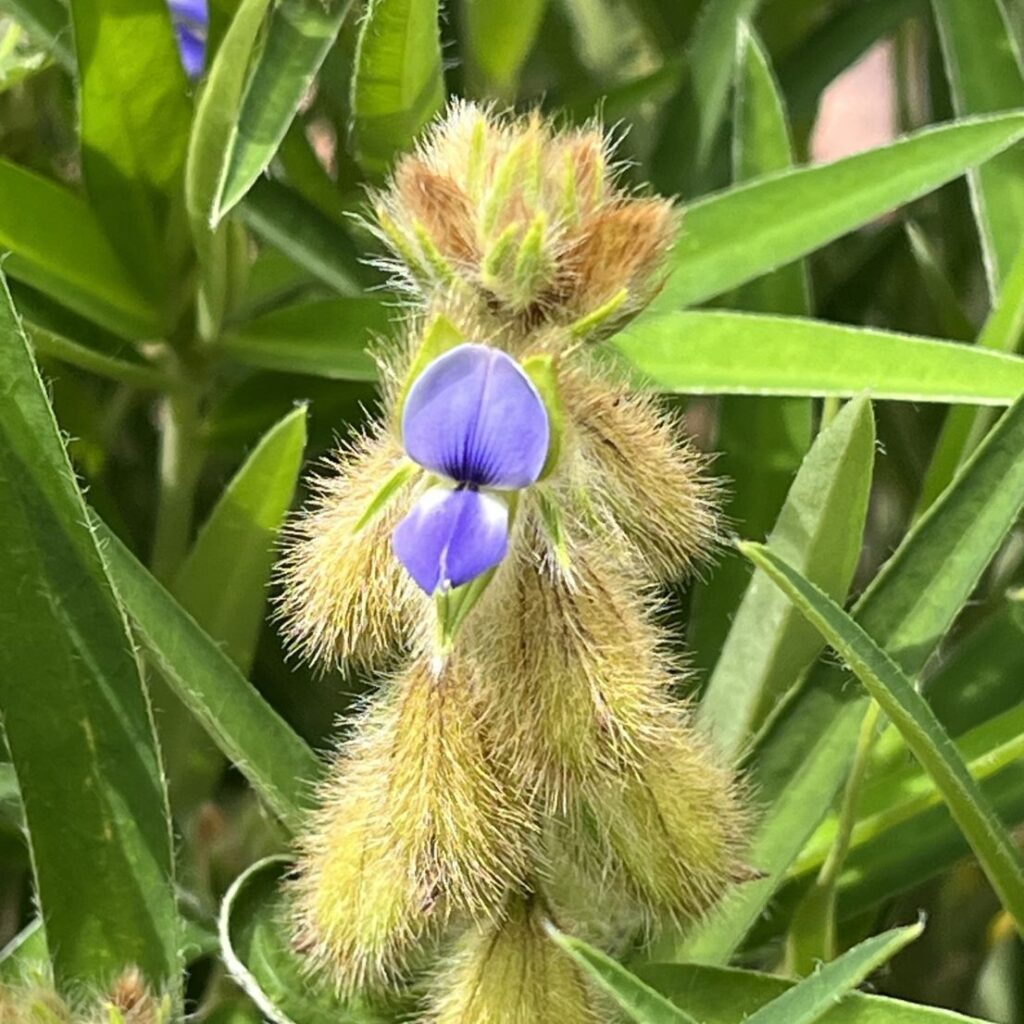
x,y
814,996
762,145
298,36
962,429
738,235
254,940
761,440
498,41
921,730
906,791
57,245
134,117
642,1003
820,527
984,70
326,338
278,763
722,996
137,374
713,50
802,759
223,582
296,227
737,353
66,646
215,120
398,83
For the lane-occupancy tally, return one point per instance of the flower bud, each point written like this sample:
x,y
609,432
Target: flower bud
x,y
344,594
416,822
510,972
528,219
672,834
577,680
646,482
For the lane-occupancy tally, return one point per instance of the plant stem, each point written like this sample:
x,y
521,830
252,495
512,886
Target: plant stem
x,y
136,375
181,461
812,936
829,873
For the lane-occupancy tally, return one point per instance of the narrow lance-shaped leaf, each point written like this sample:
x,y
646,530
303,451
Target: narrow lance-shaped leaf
x,y
216,116
327,338
642,1003
66,646
803,758
739,234
760,440
57,245
910,713
223,584
984,70
299,34
134,116
813,997
820,527
713,51
397,84
907,791
737,353
717,995
278,763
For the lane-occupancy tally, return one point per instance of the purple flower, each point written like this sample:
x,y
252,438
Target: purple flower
x,y
474,417
190,19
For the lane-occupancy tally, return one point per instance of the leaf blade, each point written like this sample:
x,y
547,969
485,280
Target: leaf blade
x,y
299,35
643,1004
802,760
741,353
819,528
984,71
73,647
810,999
917,723
397,84
278,763
735,236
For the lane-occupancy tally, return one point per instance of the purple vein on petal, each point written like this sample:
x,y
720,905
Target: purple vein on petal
x,y
474,416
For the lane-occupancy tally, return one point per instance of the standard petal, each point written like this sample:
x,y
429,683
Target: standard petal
x,y
451,537
474,416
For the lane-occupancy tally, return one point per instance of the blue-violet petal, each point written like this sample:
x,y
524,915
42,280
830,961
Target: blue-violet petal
x,y
474,416
451,537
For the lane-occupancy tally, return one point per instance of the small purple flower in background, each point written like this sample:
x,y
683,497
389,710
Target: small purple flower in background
x,y
474,417
190,19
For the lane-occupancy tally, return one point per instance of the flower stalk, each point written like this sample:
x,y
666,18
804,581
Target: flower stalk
x,y
496,549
